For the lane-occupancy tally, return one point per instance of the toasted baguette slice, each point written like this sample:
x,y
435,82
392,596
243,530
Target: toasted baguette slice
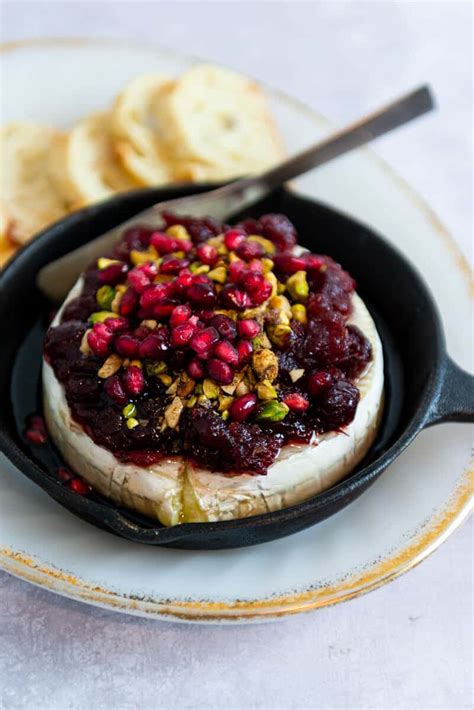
x,y
218,124
137,132
91,162
29,200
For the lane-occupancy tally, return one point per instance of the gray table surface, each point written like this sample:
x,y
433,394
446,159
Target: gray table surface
x,y
407,645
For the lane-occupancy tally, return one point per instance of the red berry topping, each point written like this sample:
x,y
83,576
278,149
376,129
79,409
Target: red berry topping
x,y
256,265
225,326
99,339
156,345
207,254
296,402
279,229
63,474
257,286
236,298
183,281
128,302
236,270
172,265
203,342
167,245
314,262
220,372
138,280
126,345
79,486
248,329
36,436
182,334
133,380
113,273
195,369
116,325
248,250
179,315
114,389
289,263
233,238
202,294
155,294
245,350
318,382
242,407
226,352
163,310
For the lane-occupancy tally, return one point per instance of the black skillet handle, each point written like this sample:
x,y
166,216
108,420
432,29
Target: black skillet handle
x,y
455,401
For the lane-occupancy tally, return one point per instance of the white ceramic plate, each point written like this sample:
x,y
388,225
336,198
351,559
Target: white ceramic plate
x,y
406,514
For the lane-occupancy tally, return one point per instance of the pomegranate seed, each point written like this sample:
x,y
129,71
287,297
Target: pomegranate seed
x,y
234,297
236,270
116,324
256,265
114,389
167,245
36,436
195,369
133,380
138,236
172,265
99,339
179,315
220,372
257,286
233,238
141,332
318,382
156,345
163,310
183,281
79,486
63,474
225,326
244,350
205,315
112,274
289,264
207,254
248,250
202,279
37,422
296,402
248,329
128,302
242,407
202,294
138,280
126,345
154,294
313,262
182,334
149,269
227,353
203,342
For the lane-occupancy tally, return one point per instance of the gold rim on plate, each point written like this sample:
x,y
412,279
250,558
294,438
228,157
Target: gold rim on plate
x,y
426,541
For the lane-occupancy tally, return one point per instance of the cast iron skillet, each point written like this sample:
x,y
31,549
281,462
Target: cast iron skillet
x,y
423,386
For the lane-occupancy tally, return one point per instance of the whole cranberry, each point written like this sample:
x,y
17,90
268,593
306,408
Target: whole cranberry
x,y
318,382
242,407
114,389
279,229
338,404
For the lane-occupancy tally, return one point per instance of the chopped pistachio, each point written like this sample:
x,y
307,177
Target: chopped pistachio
x,y
230,388
225,402
261,341
141,257
167,380
178,232
218,274
281,304
272,279
267,265
132,423
110,366
265,243
185,385
173,412
210,389
281,288
103,262
129,410
100,316
265,364
279,334
155,368
225,415
265,390
84,346
204,401
296,374
242,388
115,305
299,313
104,297
191,402
297,286
197,268
151,324
179,254
273,411
233,257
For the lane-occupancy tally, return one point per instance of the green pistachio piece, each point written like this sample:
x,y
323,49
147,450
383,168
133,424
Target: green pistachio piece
x,y
129,410
219,274
299,313
132,423
104,296
266,391
273,411
100,316
297,286
210,389
155,368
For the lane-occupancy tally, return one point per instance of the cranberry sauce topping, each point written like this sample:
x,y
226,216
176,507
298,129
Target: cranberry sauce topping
x,y
218,343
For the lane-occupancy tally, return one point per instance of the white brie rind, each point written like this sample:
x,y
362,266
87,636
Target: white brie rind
x,y
174,490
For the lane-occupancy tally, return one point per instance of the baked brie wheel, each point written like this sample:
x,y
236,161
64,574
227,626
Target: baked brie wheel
x,y
176,490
